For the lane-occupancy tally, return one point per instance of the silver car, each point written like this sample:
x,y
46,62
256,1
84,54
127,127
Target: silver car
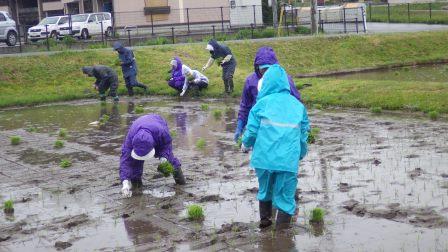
x,y
8,32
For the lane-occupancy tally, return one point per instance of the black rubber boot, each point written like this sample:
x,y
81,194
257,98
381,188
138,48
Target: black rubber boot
x,y
230,81
226,86
140,85
179,177
265,214
283,220
137,187
130,91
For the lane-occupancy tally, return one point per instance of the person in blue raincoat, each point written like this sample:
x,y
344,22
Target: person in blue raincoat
x,y
277,130
226,60
128,67
264,56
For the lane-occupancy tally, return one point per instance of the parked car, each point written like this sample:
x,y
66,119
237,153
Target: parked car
x,y
50,24
86,25
8,32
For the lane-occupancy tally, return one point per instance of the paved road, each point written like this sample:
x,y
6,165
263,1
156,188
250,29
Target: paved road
x,y
392,27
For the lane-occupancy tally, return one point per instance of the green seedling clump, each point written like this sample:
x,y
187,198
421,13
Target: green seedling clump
x,y
239,142
62,133
58,144
31,129
166,169
195,213
317,215
312,136
217,114
376,110
139,109
433,115
173,133
318,106
8,207
104,119
204,107
65,163
200,144
15,140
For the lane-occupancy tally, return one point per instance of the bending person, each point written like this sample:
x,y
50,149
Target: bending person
x,y
193,79
225,59
147,137
106,78
129,68
265,57
177,78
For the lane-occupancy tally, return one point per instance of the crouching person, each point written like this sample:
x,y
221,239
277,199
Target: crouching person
x,y
106,78
147,137
277,130
193,79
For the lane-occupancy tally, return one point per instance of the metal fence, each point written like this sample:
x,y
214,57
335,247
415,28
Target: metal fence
x,y
190,25
430,13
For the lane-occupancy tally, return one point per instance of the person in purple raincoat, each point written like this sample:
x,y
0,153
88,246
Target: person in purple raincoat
x,y
147,137
177,78
265,56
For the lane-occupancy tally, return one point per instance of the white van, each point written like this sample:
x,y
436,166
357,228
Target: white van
x,y
8,32
87,25
51,23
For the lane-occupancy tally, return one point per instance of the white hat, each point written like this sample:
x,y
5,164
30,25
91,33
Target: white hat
x,y
260,84
145,157
209,47
173,62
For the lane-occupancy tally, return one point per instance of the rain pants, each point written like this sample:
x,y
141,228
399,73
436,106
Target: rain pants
x,y
106,78
153,130
277,129
177,78
221,51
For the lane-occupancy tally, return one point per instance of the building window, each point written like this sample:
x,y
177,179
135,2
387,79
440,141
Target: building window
x,y
232,4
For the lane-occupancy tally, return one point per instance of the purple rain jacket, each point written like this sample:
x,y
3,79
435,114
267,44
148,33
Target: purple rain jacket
x,y
178,79
147,132
265,55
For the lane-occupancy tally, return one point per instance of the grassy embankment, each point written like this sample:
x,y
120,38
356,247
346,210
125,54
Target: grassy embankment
x,y
39,79
418,13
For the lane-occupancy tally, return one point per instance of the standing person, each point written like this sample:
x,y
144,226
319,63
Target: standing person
x,y
177,78
147,137
264,56
129,67
226,60
106,78
277,130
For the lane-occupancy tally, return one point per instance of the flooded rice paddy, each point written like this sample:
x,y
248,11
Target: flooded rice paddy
x,y
382,180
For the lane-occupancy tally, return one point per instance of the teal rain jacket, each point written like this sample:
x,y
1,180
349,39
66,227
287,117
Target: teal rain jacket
x,y
278,125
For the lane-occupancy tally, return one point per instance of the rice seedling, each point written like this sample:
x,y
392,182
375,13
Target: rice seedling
x,y
200,143
217,114
62,133
195,213
173,133
65,163
204,107
104,119
15,140
433,115
312,136
376,110
8,207
139,109
58,144
317,215
166,169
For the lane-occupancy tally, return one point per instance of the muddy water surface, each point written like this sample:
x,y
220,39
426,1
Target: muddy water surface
x,y
383,181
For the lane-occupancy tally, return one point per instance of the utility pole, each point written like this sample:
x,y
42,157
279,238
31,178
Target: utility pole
x,y
274,13
313,17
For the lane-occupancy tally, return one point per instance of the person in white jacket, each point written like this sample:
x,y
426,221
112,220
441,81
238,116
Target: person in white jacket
x,y
193,79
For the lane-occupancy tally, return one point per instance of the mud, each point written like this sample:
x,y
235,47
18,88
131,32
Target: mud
x,y
381,179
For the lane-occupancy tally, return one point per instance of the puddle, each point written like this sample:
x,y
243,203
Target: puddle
x,y
394,167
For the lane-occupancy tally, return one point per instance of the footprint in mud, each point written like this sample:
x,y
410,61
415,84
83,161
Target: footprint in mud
x,y
60,245
208,198
345,187
38,157
346,168
415,173
412,156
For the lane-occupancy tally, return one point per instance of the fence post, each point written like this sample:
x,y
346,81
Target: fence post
x,y
345,23
46,35
255,18
430,11
388,12
172,34
356,24
409,14
214,33
320,19
102,32
188,19
363,19
18,36
284,13
370,12
222,20
129,37
322,26
70,27
252,26
292,16
152,26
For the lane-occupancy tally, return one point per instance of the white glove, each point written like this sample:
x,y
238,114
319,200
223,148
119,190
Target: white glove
x,y
244,148
183,92
163,160
204,68
126,190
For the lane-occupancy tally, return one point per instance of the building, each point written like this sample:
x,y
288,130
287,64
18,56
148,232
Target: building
x,y
141,12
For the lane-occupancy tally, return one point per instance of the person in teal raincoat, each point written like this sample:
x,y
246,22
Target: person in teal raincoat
x,y
277,130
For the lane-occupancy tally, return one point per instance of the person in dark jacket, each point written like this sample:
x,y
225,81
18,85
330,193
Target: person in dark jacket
x,y
129,67
106,78
147,137
264,56
225,59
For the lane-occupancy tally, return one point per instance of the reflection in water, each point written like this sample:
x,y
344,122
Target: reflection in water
x,y
143,232
230,118
181,122
281,241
